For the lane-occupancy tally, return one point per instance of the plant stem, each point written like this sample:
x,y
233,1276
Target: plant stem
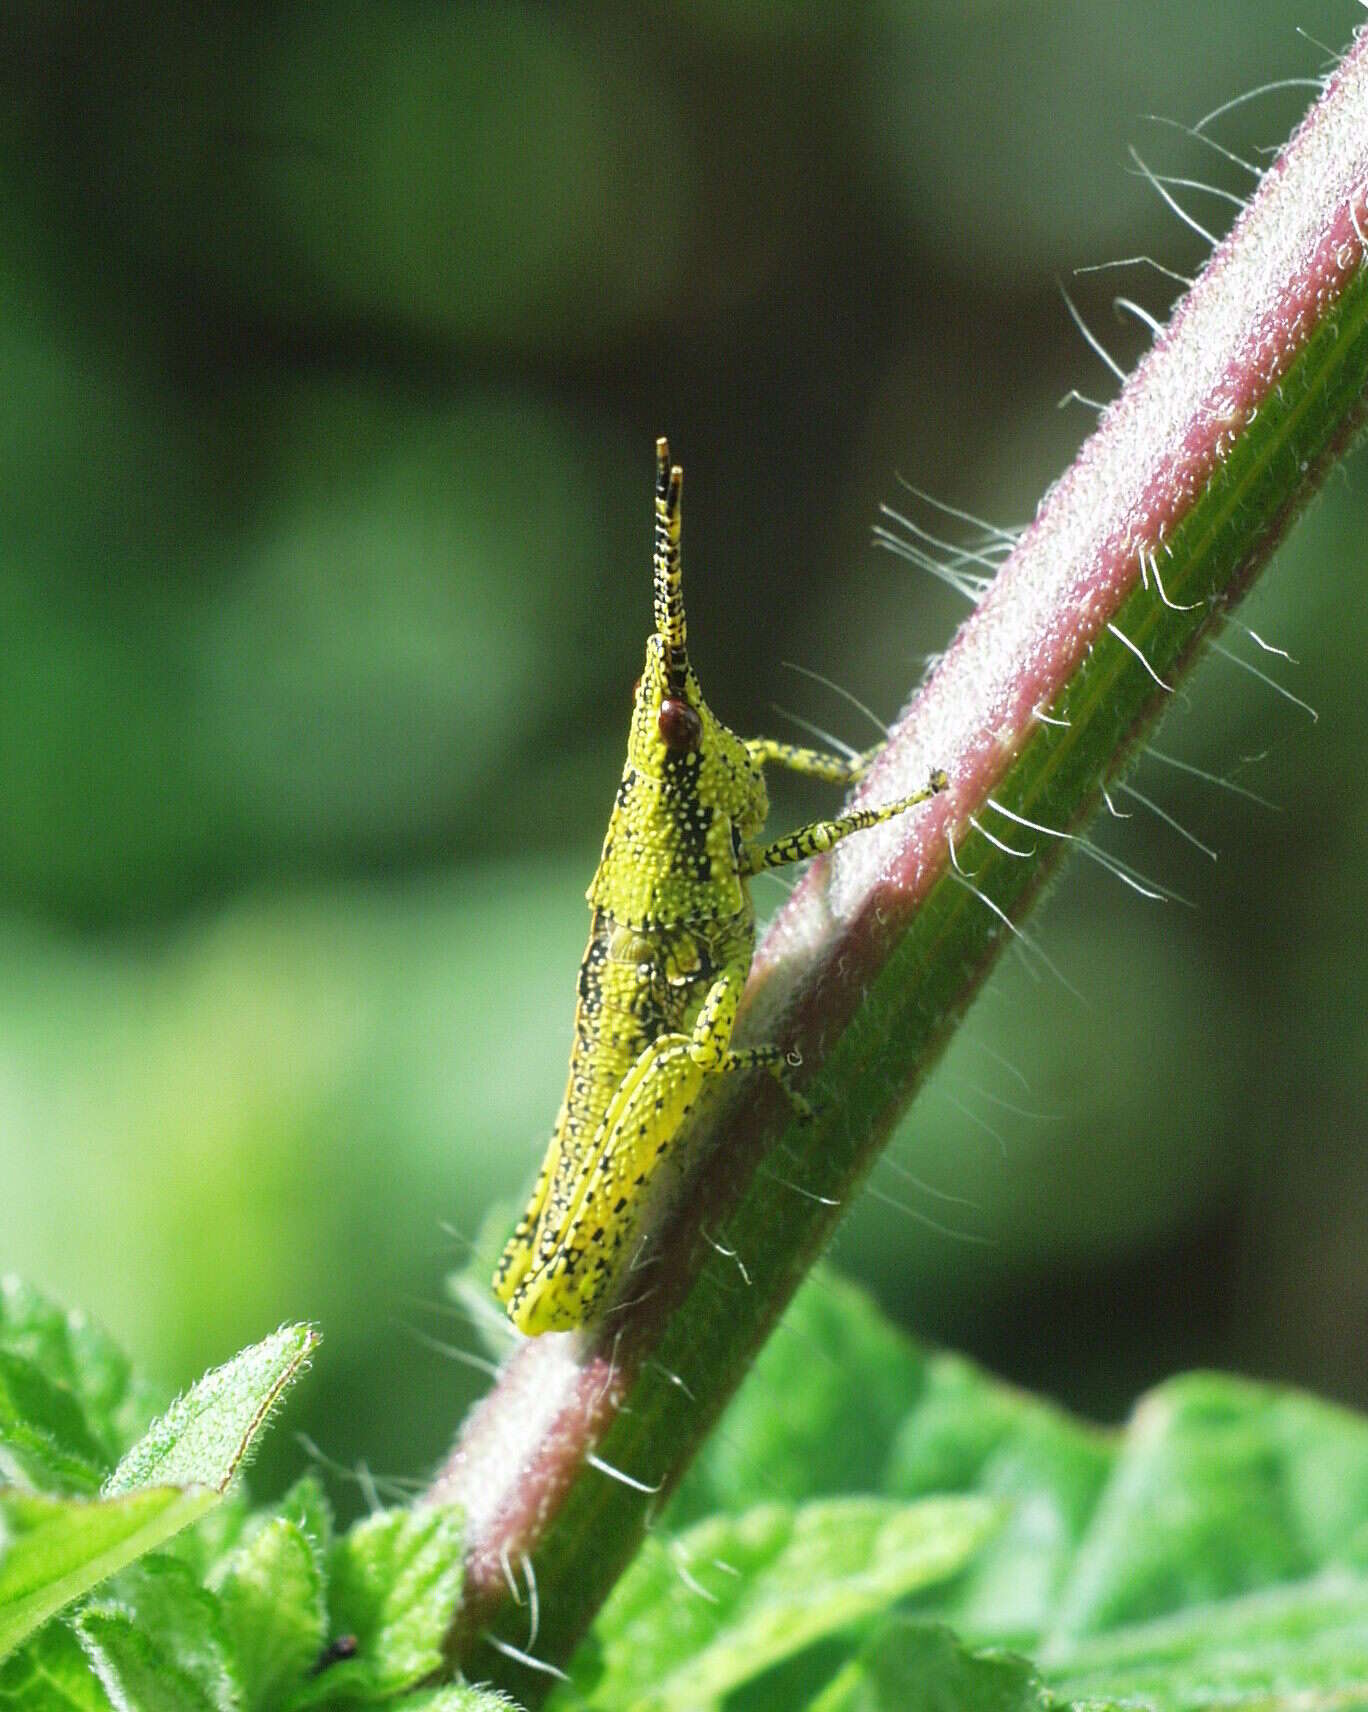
x,y
1218,439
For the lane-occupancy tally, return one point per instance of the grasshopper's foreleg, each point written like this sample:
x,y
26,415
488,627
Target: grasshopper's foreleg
x,y
821,835
636,1137
813,763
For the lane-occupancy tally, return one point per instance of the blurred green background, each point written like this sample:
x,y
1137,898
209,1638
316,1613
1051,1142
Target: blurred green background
x,y
333,342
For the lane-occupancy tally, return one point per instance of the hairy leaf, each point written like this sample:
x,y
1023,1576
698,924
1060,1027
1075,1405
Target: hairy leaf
x,y
395,1580
52,1550
203,1437
692,1622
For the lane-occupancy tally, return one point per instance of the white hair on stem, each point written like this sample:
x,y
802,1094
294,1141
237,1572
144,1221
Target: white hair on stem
x,y
1091,337
1253,94
1273,684
1209,142
1168,819
1173,202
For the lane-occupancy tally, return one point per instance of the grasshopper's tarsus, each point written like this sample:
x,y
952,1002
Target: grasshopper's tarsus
x,y
669,951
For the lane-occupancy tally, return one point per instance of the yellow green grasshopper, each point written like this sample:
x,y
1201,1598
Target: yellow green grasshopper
x,y
669,951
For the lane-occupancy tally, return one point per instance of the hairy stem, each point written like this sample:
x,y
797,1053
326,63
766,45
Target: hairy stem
x,y
1217,440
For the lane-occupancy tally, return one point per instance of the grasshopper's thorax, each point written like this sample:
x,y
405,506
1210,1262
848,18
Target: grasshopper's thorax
x,y
690,792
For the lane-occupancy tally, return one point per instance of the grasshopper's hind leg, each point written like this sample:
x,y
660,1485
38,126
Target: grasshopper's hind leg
x,y
561,1290
636,1137
516,1259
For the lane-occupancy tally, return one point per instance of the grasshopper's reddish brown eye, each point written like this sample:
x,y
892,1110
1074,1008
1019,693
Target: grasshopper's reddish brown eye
x,y
636,689
679,725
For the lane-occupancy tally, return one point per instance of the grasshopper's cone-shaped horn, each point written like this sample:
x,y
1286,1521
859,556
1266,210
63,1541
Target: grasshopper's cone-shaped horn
x,y
669,582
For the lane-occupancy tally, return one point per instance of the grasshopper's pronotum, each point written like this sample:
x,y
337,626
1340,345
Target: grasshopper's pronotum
x,y
669,950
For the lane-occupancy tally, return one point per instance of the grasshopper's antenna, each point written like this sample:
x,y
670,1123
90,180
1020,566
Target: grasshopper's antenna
x,y
669,584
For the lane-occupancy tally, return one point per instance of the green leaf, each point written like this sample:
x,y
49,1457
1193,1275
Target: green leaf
x,y
306,1505
203,1437
1304,1646
968,1432
51,1674
45,1443
271,1595
1222,1487
927,1424
269,1570
395,1579
136,1673
209,1546
74,1353
156,1640
1216,1550
689,1624
54,1549
1213,1552
206,1545
791,1432
921,1667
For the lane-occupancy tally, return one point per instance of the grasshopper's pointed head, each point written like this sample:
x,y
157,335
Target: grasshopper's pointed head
x,y
690,792
669,715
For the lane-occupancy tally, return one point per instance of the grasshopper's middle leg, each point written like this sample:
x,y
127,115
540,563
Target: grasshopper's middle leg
x,y
634,1141
710,1045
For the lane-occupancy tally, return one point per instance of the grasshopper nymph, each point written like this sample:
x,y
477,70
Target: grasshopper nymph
x,y
669,950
